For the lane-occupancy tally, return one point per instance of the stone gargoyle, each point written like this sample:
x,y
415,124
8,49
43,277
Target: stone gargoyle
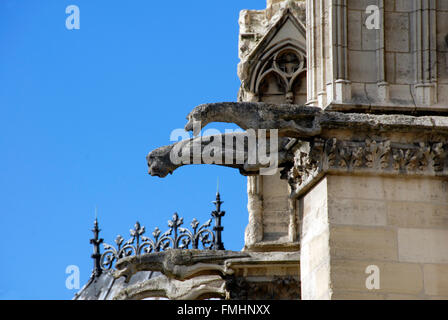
x,y
293,122
160,161
192,289
178,264
305,123
290,120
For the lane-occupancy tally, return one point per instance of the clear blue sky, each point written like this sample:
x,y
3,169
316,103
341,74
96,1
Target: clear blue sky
x,y
80,110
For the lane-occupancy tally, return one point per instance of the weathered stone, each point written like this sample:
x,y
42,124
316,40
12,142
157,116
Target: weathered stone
x,y
230,150
417,214
201,287
177,264
357,212
395,278
436,279
363,243
305,122
423,245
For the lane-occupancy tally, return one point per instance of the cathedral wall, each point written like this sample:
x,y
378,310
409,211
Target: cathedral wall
x,y
275,209
398,225
314,244
394,58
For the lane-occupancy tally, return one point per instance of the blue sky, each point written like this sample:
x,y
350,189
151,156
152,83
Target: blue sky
x,y
79,111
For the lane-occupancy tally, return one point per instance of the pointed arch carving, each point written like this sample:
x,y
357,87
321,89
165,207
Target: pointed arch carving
x,y
279,60
287,60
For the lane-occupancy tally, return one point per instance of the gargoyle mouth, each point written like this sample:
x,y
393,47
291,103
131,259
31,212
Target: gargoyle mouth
x,y
157,173
194,126
189,126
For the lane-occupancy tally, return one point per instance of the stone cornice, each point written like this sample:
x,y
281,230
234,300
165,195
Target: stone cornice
x,y
379,156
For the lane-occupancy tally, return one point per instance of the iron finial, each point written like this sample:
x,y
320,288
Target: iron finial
x,y
96,256
218,228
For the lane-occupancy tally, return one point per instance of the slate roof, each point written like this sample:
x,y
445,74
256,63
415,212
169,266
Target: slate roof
x,y
105,287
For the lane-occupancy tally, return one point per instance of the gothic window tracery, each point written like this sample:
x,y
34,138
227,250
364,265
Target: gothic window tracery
x,y
281,76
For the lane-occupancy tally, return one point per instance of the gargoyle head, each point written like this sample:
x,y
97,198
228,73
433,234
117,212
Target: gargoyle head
x,y
197,119
124,269
159,163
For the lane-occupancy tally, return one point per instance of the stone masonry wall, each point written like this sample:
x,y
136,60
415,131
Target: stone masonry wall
x,y
402,64
275,209
399,225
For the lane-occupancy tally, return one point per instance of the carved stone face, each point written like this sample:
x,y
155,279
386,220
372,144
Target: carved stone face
x,y
289,98
189,125
193,124
159,164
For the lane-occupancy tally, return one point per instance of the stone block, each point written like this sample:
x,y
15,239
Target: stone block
x,y
421,190
423,245
354,29
397,32
315,215
314,253
442,73
356,296
359,93
442,5
402,297
369,36
316,284
379,243
314,224
275,203
417,215
362,66
436,279
404,6
396,278
372,92
357,212
360,4
355,187
390,67
322,281
403,70
401,94
443,94
442,24
389,5
274,186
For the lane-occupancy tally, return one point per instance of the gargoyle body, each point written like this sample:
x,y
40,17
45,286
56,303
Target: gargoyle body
x,y
177,264
290,120
231,150
191,289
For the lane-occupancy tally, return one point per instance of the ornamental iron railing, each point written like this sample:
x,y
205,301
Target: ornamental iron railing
x,y
176,237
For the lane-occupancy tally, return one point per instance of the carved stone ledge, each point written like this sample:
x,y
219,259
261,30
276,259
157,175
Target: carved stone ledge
x,y
197,274
269,246
312,160
277,288
202,287
252,281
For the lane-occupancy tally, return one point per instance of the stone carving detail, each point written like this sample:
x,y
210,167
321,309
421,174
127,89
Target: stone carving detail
x,y
376,156
273,52
161,287
254,231
289,120
160,163
177,264
280,288
285,66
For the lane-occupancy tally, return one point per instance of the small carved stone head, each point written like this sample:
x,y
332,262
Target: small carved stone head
x,y
289,97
